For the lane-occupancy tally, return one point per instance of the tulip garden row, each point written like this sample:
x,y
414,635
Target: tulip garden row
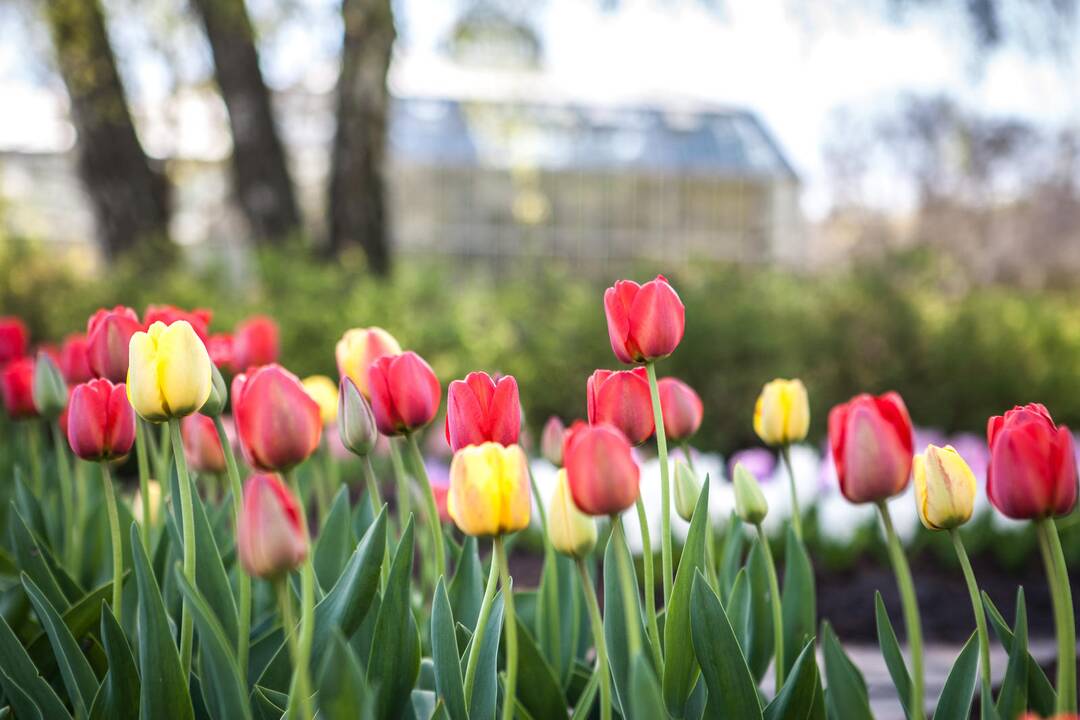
x,y
297,591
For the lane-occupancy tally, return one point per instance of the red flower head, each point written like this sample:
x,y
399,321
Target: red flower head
x,y
270,535
201,445
108,333
600,469
255,342
75,359
168,314
17,387
871,444
682,408
481,409
405,393
100,421
220,348
13,339
277,421
621,398
645,322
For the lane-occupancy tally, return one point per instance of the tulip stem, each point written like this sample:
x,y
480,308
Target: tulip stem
x,y
243,628
432,509
665,482
598,639
650,587
402,482
187,516
374,496
33,448
301,690
67,496
796,515
481,626
1064,622
144,480
551,588
114,531
777,614
628,583
911,610
510,622
977,608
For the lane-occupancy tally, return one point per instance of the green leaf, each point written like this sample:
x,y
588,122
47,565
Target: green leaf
x,y
362,516
395,649
268,704
615,614
956,696
343,691
890,650
539,690
731,556
732,690
681,667
760,621
547,625
584,703
797,599
483,701
738,611
164,689
1041,695
27,690
1012,698
336,541
466,591
26,505
847,697
645,695
79,679
32,558
445,655
795,701
80,618
118,698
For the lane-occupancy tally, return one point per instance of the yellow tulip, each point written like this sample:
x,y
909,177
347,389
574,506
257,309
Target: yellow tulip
x,y
169,371
944,488
489,489
153,492
324,392
782,412
572,532
358,349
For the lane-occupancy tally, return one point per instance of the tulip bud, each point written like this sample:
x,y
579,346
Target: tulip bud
x,y
13,339
750,504
356,423
17,387
1032,471
153,492
600,469
871,444
645,322
489,489
108,338
622,399
944,488
255,343
687,488
75,359
480,409
551,441
571,531
202,448
358,349
270,537
404,392
682,408
169,372
782,412
219,394
278,423
324,392
100,421
50,390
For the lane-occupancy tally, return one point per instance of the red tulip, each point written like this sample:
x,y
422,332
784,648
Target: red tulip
x,y
255,342
270,536
682,408
1032,470
480,409
551,440
75,359
871,444
13,339
17,387
645,322
201,445
168,314
405,393
101,421
220,348
600,469
277,421
621,398
108,334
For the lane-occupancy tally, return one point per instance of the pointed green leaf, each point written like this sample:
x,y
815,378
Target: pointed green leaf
x,y
1012,698
890,650
959,689
118,698
445,655
466,591
847,696
32,558
645,694
798,598
795,701
615,614
26,689
336,541
760,624
723,666
539,691
1041,695
80,619
343,691
395,649
267,704
731,556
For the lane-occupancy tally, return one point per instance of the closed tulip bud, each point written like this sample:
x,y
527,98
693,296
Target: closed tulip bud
x,y
199,319
153,492
481,409
489,489
687,488
358,349
108,339
169,372
645,322
551,441
944,488
17,387
682,407
621,398
219,394
50,390
278,423
13,339
220,348
1032,471
201,445
100,421
404,392
75,359
871,442
356,422
782,412
271,538
600,469
324,392
750,503
571,531
255,342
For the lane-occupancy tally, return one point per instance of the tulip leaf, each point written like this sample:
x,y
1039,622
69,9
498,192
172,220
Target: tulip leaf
x,y
539,690
34,560
164,689
584,702
118,697
847,696
445,656
28,692
343,691
959,689
738,611
1012,697
268,704
645,694
1041,695
732,690
484,698
80,619
731,556
615,619
681,668
362,516
795,701
336,540
552,608
466,590
797,598
890,650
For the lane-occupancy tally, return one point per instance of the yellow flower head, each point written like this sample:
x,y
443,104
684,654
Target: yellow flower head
x,y
169,371
572,532
358,349
324,392
944,488
489,489
782,412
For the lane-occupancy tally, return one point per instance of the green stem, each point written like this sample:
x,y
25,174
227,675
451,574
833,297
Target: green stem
x,y
164,457
551,588
685,445
1064,621
665,482
374,496
628,583
243,629
301,690
796,515
977,608
777,614
432,509
401,480
510,622
598,639
114,530
33,447
649,584
481,626
144,480
67,496
187,515
911,611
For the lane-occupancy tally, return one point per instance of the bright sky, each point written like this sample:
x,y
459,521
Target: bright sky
x,y
795,71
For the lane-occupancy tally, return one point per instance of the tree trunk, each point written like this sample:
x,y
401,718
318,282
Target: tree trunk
x,y
129,198
258,159
358,213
